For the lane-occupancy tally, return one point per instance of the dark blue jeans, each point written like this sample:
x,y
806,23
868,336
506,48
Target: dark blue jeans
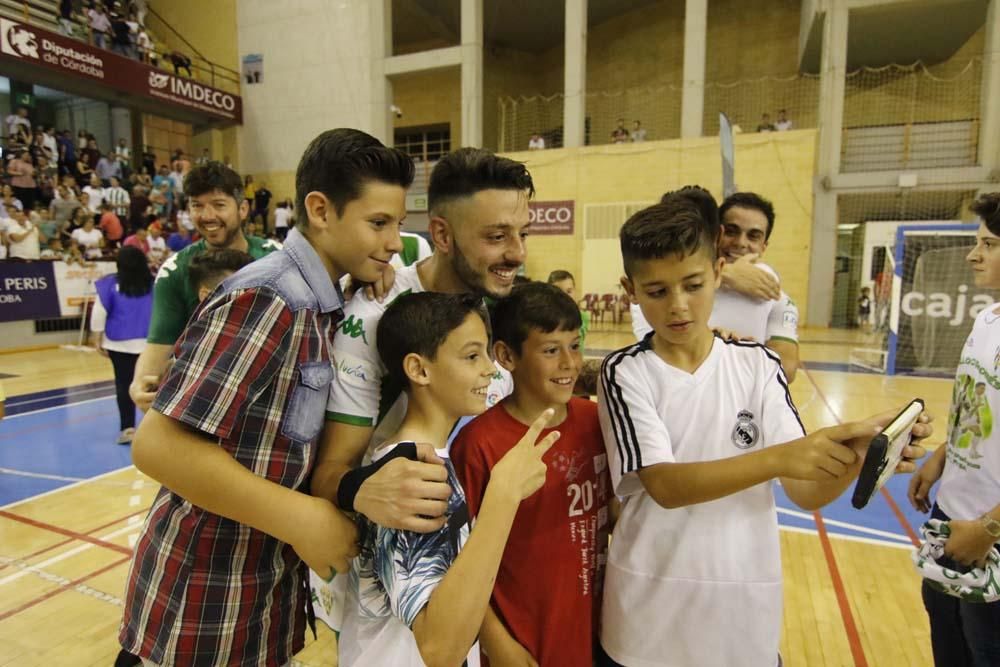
x,y
963,634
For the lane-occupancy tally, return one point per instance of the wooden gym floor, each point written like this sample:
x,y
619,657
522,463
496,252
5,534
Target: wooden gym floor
x,y
71,506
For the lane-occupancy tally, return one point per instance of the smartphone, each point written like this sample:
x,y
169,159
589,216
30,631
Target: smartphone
x,y
885,453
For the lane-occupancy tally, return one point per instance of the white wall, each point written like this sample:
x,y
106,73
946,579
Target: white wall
x,y
21,334
316,76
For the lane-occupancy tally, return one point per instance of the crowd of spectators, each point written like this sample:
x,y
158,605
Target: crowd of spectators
x,y
119,26
66,198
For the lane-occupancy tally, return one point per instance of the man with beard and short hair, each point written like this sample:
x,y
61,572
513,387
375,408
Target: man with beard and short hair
x,y
478,208
218,209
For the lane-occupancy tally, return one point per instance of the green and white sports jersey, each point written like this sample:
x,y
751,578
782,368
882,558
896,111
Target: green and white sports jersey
x,y
415,248
362,393
174,300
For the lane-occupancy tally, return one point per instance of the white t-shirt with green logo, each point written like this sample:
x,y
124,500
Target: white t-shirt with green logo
x,y
970,485
362,393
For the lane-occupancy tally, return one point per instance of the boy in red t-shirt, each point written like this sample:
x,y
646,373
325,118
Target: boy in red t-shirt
x,y
547,597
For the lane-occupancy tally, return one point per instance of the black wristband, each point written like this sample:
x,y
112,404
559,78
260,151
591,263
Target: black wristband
x,y
351,482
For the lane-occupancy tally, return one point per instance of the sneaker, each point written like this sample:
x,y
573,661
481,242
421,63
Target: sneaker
x,y
125,437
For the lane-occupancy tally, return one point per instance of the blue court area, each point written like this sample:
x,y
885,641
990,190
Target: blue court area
x,y
55,438
878,522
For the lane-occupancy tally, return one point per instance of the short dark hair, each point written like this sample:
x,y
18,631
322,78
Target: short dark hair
x,y
134,278
987,207
534,305
418,324
560,275
753,201
210,267
698,196
675,227
210,177
467,171
339,162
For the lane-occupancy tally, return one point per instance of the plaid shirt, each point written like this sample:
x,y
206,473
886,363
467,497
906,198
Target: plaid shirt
x,y
253,372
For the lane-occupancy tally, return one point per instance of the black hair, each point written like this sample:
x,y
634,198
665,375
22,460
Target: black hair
x,y
134,277
210,267
467,171
339,162
560,275
419,323
534,305
753,201
987,207
700,197
521,280
210,177
675,227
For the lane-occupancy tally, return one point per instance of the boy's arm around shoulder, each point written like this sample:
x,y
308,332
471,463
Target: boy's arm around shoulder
x,y
216,375
194,467
402,494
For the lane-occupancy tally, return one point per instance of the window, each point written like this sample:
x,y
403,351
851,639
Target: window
x,y
426,143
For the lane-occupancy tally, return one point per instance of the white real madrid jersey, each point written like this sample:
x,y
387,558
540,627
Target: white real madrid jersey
x,y
708,574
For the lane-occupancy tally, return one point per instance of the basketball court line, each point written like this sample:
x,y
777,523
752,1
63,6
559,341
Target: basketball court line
x,y
848,538
62,588
62,488
850,626
58,407
60,395
41,475
28,567
886,535
63,531
65,582
39,552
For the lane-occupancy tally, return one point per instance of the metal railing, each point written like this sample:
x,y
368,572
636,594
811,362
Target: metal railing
x,y
45,14
219,76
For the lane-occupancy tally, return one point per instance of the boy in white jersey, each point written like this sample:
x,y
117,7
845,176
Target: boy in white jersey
x,y
747,223
968,465
416,599
694,427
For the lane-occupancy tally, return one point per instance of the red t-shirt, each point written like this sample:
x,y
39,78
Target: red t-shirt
x,y
136,242
111,226
548,589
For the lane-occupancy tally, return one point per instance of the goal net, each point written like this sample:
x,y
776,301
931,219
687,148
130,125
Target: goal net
x,y
934,300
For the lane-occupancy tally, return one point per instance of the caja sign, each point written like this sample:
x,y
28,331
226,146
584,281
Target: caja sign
x,y
551,217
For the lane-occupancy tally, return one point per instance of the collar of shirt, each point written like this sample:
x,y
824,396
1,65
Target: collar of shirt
x,y
327,291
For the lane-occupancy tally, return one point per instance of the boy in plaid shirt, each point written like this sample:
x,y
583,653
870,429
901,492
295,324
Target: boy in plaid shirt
x,y
219,572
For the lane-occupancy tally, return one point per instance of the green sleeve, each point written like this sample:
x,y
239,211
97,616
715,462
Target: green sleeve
x,y
170,312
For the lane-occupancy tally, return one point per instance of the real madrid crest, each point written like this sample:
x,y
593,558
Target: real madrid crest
x,y
745,433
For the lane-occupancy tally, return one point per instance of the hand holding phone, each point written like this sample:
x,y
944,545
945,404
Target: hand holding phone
x,y
885,453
